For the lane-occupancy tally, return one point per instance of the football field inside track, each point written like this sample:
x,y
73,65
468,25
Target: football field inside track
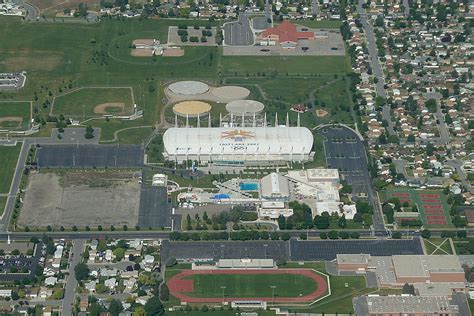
x,y
280,285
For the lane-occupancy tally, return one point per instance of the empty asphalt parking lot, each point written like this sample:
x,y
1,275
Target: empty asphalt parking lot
x,y
224,250
88,156
328,249
345,152
154,208
238,33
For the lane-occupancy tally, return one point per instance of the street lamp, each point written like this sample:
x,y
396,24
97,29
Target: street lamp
x,y
273,293
223,293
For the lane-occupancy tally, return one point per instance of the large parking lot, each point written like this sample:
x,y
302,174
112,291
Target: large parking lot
x,y
238,33
82,198
60,156
328,249
225,250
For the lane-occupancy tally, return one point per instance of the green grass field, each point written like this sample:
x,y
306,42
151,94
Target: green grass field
x,y
83,102
326,24
3,201
301,65
8,158
343,288
432,244
247,285
15,115
85,55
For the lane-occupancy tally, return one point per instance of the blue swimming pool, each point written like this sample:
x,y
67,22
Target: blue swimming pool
x,y
221,196
249,186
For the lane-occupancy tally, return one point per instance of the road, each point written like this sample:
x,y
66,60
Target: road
x,y
315,8
238,33
71,281
442,126
456,164
406,4
31,11
376,68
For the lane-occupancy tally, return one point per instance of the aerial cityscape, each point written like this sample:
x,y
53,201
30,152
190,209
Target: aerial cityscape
x,y
222,157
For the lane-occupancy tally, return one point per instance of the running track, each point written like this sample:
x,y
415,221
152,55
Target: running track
x,y
177,285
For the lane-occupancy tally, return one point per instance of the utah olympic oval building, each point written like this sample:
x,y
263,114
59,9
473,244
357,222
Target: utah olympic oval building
x,y
239,145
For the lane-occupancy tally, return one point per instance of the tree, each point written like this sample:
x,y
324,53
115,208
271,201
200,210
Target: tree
x,y
408,289
115,307
333,234
342,222
425,233
461,234
396,235
164,292
119,253
89,132
154,307
81,271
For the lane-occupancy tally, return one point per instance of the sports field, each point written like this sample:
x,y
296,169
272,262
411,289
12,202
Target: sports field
x,y
281,285
93,102
14,115
8,158
432,205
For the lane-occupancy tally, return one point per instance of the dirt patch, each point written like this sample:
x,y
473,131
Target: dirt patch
x,y
81,198
11,121
321,113
110,108
142,52
173,52
47,63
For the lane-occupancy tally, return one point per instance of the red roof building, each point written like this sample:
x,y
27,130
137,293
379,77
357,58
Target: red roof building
x,y
285,34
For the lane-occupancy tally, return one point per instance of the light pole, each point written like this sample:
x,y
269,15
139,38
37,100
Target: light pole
x,y
223,293
273,293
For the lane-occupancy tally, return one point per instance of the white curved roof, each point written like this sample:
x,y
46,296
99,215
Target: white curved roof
x,y
244,107
238,140
188,87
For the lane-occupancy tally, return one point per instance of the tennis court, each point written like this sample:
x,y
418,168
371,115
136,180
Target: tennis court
x,y
432,205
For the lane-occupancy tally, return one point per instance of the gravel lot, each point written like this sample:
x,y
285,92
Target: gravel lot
x,y
56,200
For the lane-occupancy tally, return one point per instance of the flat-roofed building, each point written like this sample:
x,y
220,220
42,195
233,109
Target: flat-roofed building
x,y
404,305
434,268
245,263
352,262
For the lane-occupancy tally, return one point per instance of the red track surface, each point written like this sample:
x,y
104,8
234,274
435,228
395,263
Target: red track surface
x,y
400,194
440,212
430,200
427,195
433,206
178,286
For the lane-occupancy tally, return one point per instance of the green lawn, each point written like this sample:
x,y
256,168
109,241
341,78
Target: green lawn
x,y
8,158
247,285
326,24
432,243
3,201
269,65
19,114
471,305
82,103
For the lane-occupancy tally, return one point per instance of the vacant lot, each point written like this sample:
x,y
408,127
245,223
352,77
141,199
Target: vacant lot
x,y
90,102
14,115
8,159
82,198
